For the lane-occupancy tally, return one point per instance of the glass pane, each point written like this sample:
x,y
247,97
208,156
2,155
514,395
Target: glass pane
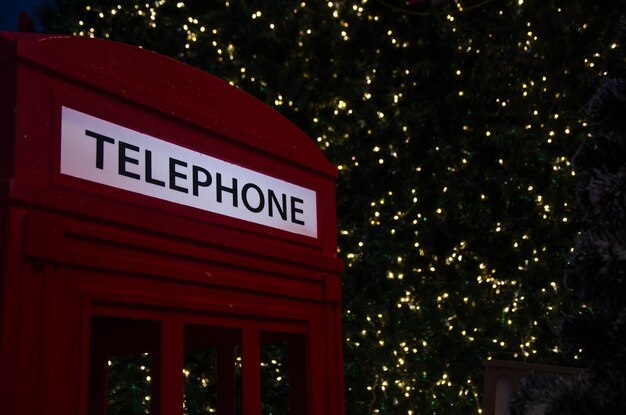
x,y
200,381
283,374
130,384
274,379
212,370
121,366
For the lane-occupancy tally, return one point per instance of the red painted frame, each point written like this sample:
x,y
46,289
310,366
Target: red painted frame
x,y
71,249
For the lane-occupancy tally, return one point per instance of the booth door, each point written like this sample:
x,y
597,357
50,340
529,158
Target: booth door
x,y
112,322
168,363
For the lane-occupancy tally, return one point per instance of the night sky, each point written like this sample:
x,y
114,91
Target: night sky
x,y
10,10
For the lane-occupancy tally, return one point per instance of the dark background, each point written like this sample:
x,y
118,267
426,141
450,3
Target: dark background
x,y
10,10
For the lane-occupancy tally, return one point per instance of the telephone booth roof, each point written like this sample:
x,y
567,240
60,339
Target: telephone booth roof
x,y
165,84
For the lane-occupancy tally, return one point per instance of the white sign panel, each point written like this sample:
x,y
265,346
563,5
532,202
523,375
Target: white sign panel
x,y
107,153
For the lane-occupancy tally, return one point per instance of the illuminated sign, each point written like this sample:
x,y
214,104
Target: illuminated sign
x,y
103,152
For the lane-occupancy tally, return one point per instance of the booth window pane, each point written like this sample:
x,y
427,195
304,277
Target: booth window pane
x,y
212,370
274,379
283,374
122,367
130,384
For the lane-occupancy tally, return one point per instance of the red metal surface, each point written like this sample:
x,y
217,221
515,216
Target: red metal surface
x,y
72,251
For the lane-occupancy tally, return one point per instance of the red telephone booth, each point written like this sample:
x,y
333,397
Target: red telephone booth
x,y
167,242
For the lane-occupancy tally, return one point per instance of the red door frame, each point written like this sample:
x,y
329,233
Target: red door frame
x,y
170,348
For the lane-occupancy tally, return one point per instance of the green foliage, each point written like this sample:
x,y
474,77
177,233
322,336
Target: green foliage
x,y
596,273
453,131
130,387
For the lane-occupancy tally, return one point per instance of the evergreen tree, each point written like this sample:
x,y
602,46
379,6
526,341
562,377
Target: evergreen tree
x,y
453,124
596,273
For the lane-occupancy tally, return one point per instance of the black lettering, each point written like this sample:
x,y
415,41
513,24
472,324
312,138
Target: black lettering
x,y
149,178
123,159
175,174
232,190
295,210
195,179
273,201
244,197
100,140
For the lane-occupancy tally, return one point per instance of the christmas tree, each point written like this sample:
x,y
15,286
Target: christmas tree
x,y
596,273
453,124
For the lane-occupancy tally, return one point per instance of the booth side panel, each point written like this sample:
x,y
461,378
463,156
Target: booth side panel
x,y
39,354
20,336
328,219
334,345
8,283
60,346
325,365
335,358
9,291
33,126
7,117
